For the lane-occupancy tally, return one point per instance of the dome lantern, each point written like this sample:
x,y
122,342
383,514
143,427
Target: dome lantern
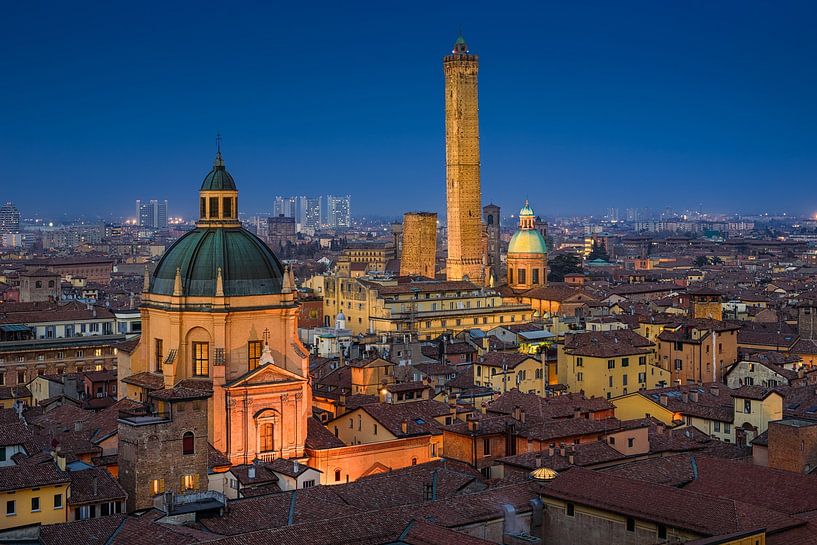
x,y
218,196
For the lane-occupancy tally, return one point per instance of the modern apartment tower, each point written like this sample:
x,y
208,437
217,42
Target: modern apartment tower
x,y
152,213
463,195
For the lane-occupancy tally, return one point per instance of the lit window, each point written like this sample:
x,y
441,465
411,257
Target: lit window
x,y
254,350
201,359
157,486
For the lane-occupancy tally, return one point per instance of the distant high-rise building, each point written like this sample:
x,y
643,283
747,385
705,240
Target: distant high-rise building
x,y
312,214
464,207
338,211
9,219
297,207
152,213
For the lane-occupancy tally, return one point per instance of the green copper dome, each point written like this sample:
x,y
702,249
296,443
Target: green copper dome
x,y
218,179
248,266
527,241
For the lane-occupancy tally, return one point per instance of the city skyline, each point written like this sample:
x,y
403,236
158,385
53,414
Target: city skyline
x,y
570,97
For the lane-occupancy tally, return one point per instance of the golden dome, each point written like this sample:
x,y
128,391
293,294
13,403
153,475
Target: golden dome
x,y
527,241
543,474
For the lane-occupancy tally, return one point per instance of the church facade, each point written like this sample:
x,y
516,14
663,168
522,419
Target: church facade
x,y
219,314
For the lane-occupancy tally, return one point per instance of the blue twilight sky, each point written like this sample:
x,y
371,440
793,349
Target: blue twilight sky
x,y
583,104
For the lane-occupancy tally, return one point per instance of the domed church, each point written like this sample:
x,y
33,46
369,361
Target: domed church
x,y
527,254
219,314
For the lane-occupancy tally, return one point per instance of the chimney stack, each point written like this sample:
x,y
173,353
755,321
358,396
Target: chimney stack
x,y
693,395
551,449
562,450
685,397
663,399
404,426
715,390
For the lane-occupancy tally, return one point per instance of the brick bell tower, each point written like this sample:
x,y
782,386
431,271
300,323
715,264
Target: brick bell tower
x,y
463,194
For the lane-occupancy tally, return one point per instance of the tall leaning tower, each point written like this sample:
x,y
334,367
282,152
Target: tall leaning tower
x,y
465,245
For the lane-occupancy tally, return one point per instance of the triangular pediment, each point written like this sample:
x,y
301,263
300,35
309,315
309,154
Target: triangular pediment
x,y
265,374
376,468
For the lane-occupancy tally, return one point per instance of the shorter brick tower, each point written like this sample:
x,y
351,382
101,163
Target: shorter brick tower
x,y
419,244
164,453
490,219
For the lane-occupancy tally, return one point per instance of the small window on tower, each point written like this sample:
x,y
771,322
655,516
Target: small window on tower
x,y
228,207
213,207
203,208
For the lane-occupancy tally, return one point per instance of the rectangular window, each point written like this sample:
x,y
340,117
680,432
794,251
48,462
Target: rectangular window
x,y
189,482
203,208
213,207
717,426
570,509
624,380
227,202
535,275
679,365
727,428
21,377
611,364
579,362
625,362
521,275
159,353
662,531
11,508
201,359
254,350
309,484
642,360
157,486
630,524
486,446
35,504
747,406
57,501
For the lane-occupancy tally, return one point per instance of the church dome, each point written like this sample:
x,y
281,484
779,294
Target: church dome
x,y
218,246
248,266
529,241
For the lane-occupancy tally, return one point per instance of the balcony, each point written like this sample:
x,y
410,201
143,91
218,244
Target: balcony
x,y
190,502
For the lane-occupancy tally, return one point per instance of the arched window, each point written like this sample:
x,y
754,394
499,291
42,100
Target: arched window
x,y
187,443
337,475
267,443
414,461
50,283
38,284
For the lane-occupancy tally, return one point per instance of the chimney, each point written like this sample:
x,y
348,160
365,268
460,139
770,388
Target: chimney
x,y
78,425
538,460
562,450
685,397
296,467
96,485
251,472
472,424
404,426
693,395
715,390
663,399
570,458
551,449
577,412
659,429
